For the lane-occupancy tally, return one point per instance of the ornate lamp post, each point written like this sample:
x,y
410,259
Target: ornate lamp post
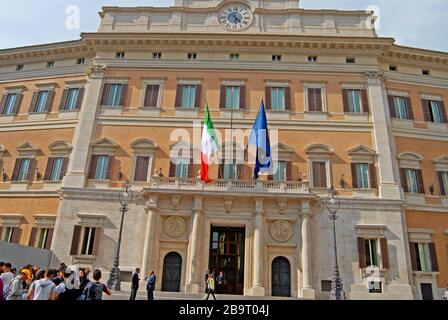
x,y
333,204
125,197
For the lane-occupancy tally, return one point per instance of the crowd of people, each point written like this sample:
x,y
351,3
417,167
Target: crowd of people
x,y
32,283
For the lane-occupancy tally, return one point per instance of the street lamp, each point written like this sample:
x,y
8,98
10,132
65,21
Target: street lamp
x,y
125,197
333,204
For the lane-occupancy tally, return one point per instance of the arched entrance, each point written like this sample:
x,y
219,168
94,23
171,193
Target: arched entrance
x,y
281,277
172,270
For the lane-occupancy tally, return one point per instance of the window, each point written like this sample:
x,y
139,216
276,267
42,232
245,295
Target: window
x,y
280,171
443,183
182,168
423,257
401,108
411,179
312,59
350,60
24,169
319,174
436,112
102,166
72,99
426,72
355,101
232,98
120,55
278,99
230,170
188,97
20,67
7,237
426,290
56,169
43,237
41,101
50,64
115,94
88,241
141,169
276,58
152,96
10,103
393,68
362,175
371,250
234,56
157,55
80,61
192,56
314,97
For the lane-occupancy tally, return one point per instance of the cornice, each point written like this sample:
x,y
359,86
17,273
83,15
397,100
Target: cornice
x,y
38,125
77,70
416,133
416,79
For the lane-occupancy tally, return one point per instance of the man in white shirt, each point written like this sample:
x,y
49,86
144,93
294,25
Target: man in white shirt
x,y
7,276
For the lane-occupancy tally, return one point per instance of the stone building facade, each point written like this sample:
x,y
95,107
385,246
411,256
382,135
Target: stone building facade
x,y
351,110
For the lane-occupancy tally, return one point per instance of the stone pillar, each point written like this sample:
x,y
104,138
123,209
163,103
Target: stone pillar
x,y
307,288
77,168
383,139
258,257
192,285
147,260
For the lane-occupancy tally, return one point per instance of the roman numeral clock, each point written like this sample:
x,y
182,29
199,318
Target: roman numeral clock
x,y
236,17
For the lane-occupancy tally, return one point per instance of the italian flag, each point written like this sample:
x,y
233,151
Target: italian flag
x,y
209,145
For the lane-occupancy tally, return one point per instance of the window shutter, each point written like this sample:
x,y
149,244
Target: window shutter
x,y
32,241
110,165
311,100
80,98
443,111
354,176
63,104
96,241
433,256
287,98
198,97
31,170
75,240
33,102
17,104
124,95
152,96
362,253
242,98
288,171
365,101
64,168
15,173
268,98
404,182
392,110
105,95
413,254
345,101
384,253
49,239
426,111
16,235
172,170
323,175
316,175
141,169
409,108
179,93
49,101
421,186
3,103
93,164
1,233
443,192
221,171
223,97
239,171
372,174
191,170
49,169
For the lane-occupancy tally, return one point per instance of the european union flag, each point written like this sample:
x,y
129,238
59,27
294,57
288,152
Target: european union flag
x,y
260,138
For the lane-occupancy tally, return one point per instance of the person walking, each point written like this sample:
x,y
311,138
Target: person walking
x,y
207,273
43,289
211,287
94,290
16,290
135,284
150,285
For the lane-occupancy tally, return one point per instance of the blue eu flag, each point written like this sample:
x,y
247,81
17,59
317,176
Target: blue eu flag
x,y
259,137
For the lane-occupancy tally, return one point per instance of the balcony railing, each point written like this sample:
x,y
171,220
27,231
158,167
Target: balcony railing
x,y
255,186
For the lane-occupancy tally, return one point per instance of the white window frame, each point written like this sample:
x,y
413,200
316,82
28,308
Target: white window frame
x,y
323,88
145,83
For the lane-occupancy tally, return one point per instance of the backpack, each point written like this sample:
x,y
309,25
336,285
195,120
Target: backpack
x,y
87,293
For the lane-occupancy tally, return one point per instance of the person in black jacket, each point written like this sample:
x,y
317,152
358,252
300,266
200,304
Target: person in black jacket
x,y
134,283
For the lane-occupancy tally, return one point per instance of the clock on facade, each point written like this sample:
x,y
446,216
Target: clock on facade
x,y
236,17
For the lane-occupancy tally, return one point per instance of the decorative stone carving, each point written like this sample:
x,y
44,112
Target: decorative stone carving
x,y
175,200
96,68
228,203
281,231
282,204
374,75
175,227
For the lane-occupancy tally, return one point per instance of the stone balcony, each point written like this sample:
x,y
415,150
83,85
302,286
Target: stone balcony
x,y
237,187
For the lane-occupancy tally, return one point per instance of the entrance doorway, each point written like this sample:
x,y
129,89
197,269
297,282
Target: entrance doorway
x,y
172,270
281,277
227,255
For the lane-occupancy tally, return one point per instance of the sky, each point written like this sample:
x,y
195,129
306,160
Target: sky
x,y
414,23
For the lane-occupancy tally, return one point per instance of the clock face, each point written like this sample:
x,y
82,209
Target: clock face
x,y
236,18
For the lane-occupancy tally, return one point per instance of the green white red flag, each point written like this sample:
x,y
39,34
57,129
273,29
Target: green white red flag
x,y
209,145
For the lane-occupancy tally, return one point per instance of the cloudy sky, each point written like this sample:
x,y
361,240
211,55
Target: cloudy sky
x,y
414,23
